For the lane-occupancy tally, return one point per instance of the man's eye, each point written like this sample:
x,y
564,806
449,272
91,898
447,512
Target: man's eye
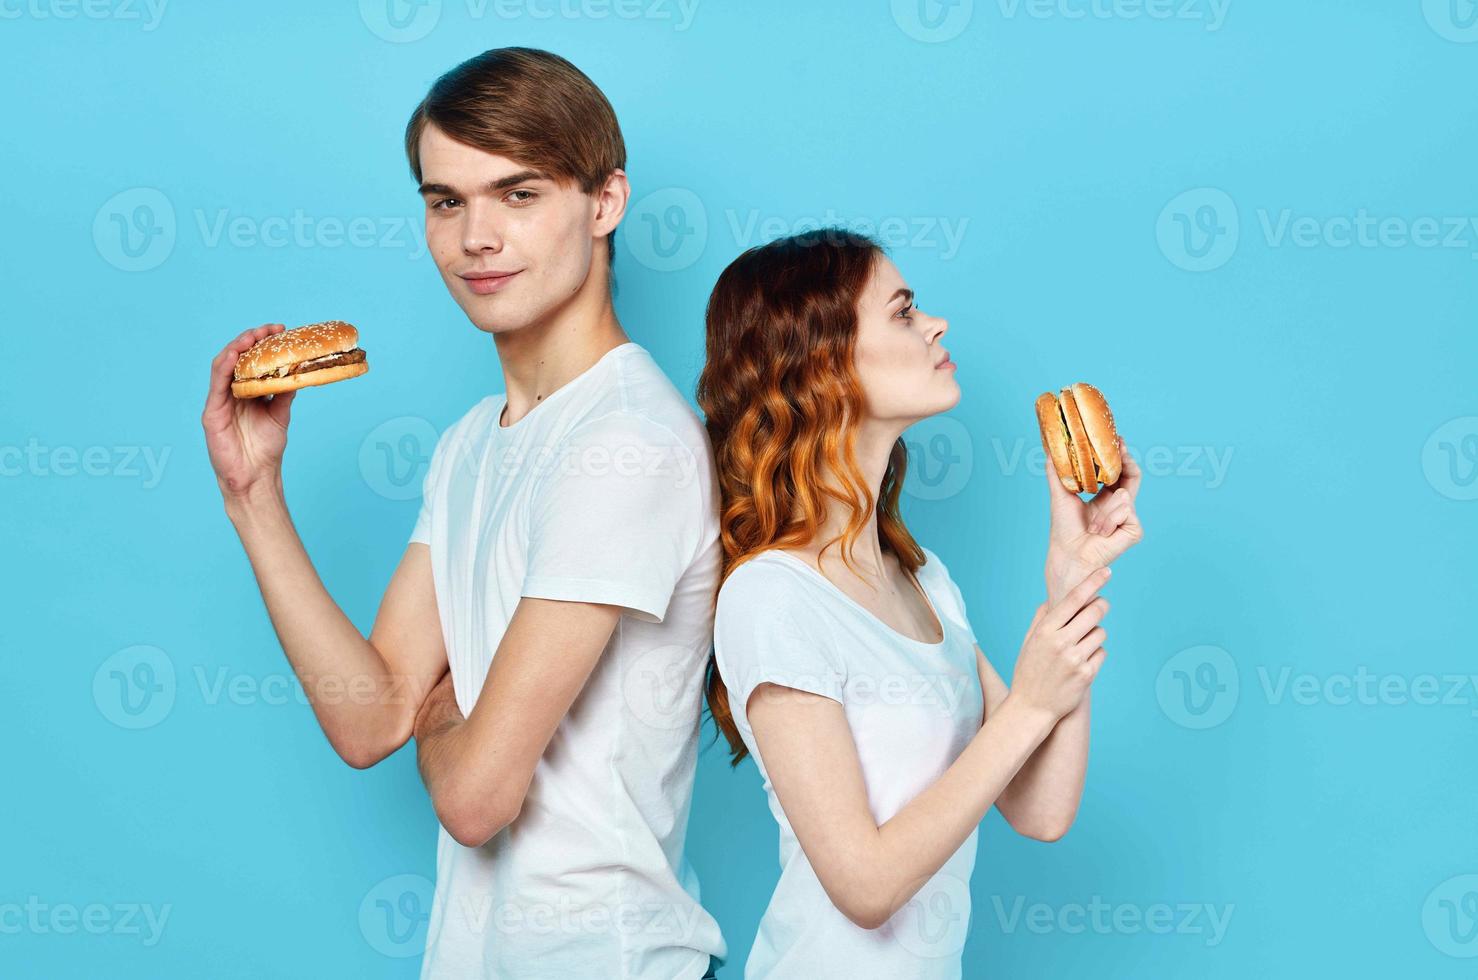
x,y
437,205
521,200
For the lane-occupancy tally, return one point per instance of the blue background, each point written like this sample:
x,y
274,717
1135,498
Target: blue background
x,y
1155,205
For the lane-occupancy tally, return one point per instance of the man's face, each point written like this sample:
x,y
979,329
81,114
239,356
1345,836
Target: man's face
x,y
511,244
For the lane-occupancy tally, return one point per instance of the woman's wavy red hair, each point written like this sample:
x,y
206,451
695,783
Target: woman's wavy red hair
x,y
781,400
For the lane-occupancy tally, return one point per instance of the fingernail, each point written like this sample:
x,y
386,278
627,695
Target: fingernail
x,y
1106,572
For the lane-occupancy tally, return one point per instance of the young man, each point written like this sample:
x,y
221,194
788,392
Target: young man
x,y
557,591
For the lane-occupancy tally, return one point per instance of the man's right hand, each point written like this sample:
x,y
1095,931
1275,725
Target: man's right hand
x,y
245,436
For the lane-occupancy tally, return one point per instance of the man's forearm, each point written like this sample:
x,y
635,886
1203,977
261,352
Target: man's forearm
x,y
365,713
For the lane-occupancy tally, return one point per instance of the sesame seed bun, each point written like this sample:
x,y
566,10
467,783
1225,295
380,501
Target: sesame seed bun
x,y
1103,435
1055,440
1077,442
1080,437
282,362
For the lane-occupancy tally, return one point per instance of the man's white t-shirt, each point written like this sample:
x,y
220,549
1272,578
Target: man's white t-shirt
x,y
604,492
912,708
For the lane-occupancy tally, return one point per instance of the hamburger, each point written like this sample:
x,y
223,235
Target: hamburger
x,y
318,354
1079,435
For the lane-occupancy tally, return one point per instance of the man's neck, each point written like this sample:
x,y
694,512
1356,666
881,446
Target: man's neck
x,y
543,357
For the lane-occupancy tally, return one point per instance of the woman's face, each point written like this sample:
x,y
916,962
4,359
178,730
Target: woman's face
x,y
906,374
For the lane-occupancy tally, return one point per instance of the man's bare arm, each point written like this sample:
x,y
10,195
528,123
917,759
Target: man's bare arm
x,y
364,692
478,769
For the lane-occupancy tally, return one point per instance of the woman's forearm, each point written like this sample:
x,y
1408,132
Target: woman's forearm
x,y
916,842
1042,801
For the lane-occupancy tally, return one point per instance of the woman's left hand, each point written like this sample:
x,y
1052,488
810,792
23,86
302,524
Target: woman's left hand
x,y
1089,535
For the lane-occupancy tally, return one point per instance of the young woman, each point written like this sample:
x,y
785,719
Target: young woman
x,y
844,661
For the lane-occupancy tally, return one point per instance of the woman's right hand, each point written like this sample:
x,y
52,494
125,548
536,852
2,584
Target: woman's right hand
x,y
245,437
1063,649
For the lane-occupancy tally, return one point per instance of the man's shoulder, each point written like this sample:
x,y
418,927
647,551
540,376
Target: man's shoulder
x,y
639,403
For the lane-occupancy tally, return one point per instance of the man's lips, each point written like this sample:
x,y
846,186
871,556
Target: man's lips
x,y
488,282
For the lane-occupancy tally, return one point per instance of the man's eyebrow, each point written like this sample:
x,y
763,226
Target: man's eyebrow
x,y
491,187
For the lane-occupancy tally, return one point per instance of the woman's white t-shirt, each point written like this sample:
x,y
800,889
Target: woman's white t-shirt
x,y
912,708
604,492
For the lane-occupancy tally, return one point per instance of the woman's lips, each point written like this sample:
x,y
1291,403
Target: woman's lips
x,y
485,284
945,365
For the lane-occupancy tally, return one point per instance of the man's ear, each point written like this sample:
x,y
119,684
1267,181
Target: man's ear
x,y
610,203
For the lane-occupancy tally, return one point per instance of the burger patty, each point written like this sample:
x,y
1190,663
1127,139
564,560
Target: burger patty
x,y
355,356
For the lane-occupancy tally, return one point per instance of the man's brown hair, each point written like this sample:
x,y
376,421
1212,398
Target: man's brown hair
x,y
530,106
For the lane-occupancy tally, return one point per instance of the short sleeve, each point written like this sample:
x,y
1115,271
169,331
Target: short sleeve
x,y
617,516
935,578
765,631
421,533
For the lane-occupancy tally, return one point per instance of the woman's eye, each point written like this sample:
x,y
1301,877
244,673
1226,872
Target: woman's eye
x,y
906,312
